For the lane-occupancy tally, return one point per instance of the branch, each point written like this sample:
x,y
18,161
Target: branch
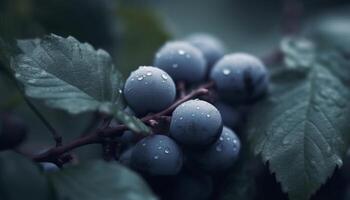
x,y
53,154
56,136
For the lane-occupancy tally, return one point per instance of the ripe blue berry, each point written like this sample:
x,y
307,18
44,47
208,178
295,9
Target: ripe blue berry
x,y
157,155
149,89
240,77
221,155
125,157
210,46
230,116
12,131
195,123
49,167
182,61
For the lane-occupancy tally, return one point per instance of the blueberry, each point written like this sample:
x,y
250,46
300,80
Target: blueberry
x,y
157,155
240,77
49,167
211,47
221,155
189,186
128,137
149,89
230,116
12,131
195,123
125,157
182,61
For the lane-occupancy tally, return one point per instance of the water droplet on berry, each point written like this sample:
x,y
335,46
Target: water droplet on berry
x,y
165,77
167,150
219,147
226,71
181,52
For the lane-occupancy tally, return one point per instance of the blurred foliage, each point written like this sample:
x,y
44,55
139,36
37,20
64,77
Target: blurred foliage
x,y
142,33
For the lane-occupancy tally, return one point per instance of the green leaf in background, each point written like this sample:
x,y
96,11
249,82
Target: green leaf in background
x,y
304,132
99,180
141,35
67,74
21,179
332,29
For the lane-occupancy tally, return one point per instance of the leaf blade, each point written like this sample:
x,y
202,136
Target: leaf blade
x,y
99,180
303,132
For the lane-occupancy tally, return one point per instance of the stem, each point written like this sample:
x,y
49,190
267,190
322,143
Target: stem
x,y
53,154
181,88
56,136
292,14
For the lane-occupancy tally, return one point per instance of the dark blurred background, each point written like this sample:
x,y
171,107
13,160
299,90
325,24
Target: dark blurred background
x,y
132,30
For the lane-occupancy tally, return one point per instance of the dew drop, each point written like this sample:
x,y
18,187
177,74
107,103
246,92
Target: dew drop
x,y
226,71
193,115
149,73
156,157
167,150
181,52
221,138
17,75
208,115
140,78
43,73
228,138
165,77
175,65
181,118
31,81
188,56
235,141
219,147
197,107
159,147
144,144
120,91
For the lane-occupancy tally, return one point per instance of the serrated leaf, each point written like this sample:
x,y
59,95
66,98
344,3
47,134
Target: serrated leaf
x,y
67,74
99,180
21,179
303,133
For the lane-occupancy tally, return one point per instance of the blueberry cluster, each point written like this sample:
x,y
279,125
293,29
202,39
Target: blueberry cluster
x,y
200,140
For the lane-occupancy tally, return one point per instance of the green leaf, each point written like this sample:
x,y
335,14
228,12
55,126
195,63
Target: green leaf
x,y
332,29
132,122
304,131
67,74
142,33
99,180
21,179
